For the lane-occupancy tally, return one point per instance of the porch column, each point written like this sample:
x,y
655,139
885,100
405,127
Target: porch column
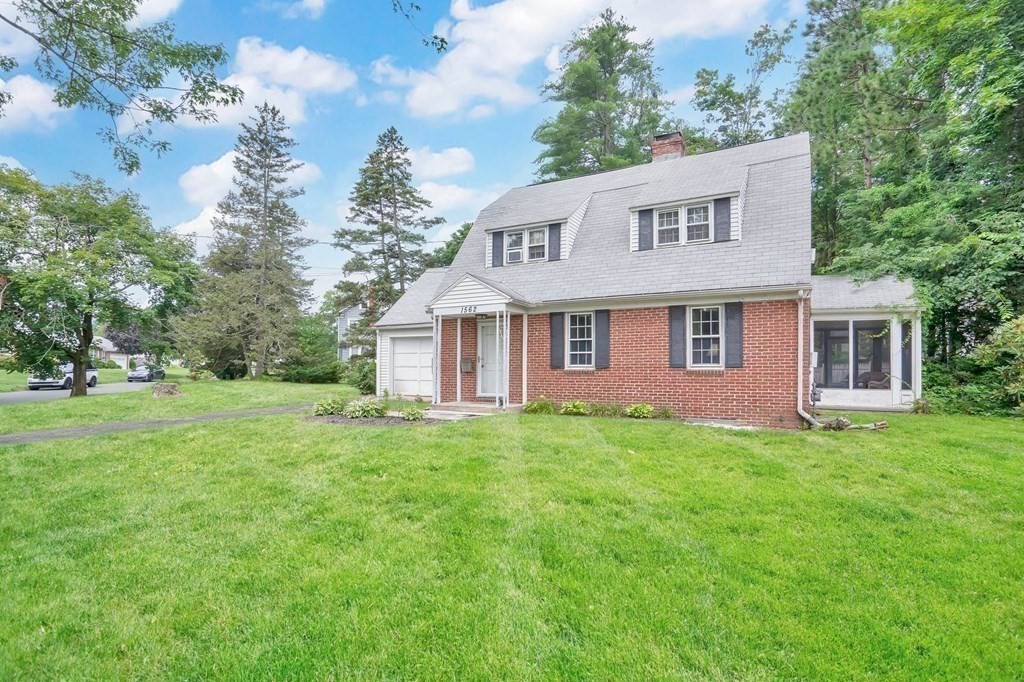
x,y
851,353
438,325
896,359
916,355
526,320
458,359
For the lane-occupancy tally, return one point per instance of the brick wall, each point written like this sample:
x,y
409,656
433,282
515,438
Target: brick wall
x,y
762,392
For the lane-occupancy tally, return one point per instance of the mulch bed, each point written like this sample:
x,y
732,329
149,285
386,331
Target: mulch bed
x,y
370,421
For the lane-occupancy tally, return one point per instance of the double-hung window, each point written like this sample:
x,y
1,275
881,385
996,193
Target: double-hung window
x,y
580,339
698,223
706,336
668,227
513,247
538,246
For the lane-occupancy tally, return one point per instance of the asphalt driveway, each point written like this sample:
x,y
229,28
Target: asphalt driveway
x,y
14,397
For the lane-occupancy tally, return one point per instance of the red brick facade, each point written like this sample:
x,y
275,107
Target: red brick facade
x,y
763,392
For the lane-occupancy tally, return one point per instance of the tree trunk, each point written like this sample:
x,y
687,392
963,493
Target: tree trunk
x,y
79,361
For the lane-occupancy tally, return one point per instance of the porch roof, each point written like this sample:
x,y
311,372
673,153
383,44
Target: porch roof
x,y
474,290
411,309
833,293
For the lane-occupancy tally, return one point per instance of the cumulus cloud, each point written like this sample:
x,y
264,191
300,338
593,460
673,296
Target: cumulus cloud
x,y
300,68
682,95
31,107
456,202
150,11
309,9
205,184
431,165
10,162
490,46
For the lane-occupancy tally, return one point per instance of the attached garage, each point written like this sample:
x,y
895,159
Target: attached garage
x,y
411,358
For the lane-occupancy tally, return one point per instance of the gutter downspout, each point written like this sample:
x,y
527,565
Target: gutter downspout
x,y
800,364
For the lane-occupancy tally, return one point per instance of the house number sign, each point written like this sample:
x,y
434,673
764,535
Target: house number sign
x,y
469,309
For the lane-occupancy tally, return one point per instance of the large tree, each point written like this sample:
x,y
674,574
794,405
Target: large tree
x,y
612,103
73,256
739,114
386,220
253,290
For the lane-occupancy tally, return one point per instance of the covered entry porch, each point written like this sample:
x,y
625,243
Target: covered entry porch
x,y
480,336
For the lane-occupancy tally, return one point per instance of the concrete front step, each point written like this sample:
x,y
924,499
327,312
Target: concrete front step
x,y
474,408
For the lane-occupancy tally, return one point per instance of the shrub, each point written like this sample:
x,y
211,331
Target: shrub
x,y
663,413
364,409
361,373
606,410
640,411
540,406
197,374
576,408
414,414
314,357
315,373
323,408
132,364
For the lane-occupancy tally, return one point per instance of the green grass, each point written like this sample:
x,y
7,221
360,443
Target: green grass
x,y
199,398
516,547
18,381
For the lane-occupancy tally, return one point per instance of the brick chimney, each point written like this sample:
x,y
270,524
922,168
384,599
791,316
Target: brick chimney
x,y
668,146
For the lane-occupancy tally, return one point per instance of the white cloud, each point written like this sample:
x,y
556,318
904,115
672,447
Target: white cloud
x,y
14,43
682,95
151,11
200,226
31,107
490,46
481,111
456,201
10,162
431,165
300,68
205,184
309,9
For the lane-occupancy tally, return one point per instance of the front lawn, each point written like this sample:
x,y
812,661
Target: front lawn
x,y
199,397
18,381
515,547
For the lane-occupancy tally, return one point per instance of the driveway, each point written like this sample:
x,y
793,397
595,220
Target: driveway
x,y
26,396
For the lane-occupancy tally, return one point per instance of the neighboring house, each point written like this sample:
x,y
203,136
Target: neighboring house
x,y
684,283
349,317
104,350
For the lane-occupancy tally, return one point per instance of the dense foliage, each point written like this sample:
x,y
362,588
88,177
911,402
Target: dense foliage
x,y
314,358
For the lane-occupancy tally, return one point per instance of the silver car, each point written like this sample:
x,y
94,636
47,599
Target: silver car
x,y
92,377
146,373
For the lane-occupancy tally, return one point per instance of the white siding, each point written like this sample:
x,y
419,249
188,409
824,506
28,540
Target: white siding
x,y
488,248
468,291
740,202
634,230
734,219
572,227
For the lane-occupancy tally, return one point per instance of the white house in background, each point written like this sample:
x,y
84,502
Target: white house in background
x,y
103,349
349,317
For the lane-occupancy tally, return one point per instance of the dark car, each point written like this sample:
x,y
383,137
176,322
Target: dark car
x,y
146,373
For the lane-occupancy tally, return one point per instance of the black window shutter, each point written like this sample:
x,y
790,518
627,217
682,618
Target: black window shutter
x,y
554,241
733,334
645,223
677,336
723,220
557,321
602,340
497,249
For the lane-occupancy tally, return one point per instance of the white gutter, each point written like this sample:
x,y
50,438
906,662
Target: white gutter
x,y
800,364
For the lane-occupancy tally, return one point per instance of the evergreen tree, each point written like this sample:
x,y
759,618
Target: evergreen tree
x,y
740,115
612,103
253,291
387,229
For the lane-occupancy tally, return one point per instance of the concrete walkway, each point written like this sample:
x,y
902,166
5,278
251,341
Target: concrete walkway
x,y
118,427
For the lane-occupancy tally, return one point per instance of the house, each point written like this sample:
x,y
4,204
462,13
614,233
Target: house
x,y
684,283
103,350
349,317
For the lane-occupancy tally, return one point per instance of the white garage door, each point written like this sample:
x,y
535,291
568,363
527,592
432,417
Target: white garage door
x,y
411,356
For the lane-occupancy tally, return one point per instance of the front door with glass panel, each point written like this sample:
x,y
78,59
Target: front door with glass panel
x,y
487,359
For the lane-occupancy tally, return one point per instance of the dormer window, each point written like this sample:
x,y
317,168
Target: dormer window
x,y
536,245
668,227
698,223
683,225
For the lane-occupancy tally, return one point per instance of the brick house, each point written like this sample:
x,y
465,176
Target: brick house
x,y
684,283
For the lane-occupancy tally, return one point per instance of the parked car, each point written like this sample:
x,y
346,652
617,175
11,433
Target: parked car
x,y
92,377
146,373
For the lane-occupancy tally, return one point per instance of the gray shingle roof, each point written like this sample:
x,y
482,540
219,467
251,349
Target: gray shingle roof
x,y
411,309
773,177
840,292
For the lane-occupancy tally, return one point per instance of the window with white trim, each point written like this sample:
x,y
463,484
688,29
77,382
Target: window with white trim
x,y
698,223
513,247
538,244
580,339
706,336
668,227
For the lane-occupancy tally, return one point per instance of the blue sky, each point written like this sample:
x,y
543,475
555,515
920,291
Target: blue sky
x,y
344,70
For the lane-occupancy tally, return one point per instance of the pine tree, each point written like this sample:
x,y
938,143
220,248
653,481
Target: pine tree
x,y
612,103
253,290
387,226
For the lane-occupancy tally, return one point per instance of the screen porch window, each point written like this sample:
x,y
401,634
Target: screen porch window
x,y
706,337
514,247
668,227
698,223
538,247
581,340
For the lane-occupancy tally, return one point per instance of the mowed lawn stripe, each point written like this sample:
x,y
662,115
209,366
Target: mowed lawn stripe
x,y
515,547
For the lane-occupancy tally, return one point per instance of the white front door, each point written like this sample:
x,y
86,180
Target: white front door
x,y
487,359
